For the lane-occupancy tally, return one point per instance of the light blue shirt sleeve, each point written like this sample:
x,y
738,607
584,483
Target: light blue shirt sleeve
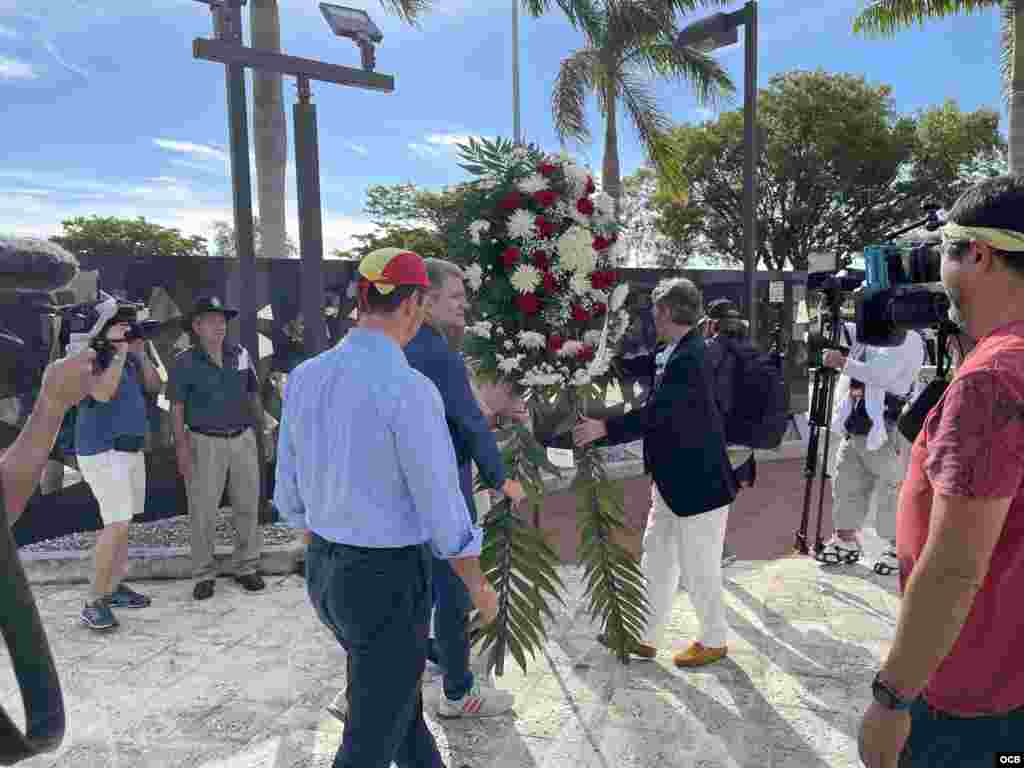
x,y
427,460
287,498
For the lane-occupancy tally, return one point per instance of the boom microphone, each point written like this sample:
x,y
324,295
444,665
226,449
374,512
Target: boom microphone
x,y
28,265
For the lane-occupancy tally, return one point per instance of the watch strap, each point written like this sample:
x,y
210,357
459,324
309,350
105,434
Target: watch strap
x,y
887,697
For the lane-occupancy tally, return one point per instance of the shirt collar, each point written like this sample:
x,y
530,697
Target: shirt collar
x,y
376,342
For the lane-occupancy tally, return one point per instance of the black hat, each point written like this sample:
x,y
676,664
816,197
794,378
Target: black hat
x,y
719,309
205,304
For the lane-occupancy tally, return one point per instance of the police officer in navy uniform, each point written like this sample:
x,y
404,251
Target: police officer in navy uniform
x,y
215,406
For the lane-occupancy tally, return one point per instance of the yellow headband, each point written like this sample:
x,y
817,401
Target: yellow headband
x,y
1001,239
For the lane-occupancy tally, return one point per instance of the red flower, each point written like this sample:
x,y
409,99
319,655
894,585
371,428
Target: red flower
x,y
604,278
584,206
585,353
579,314
555,343
528,304
546,169
511,201
591,189
601,243
599,309
545,197
541,260
544,227
510,257
550,284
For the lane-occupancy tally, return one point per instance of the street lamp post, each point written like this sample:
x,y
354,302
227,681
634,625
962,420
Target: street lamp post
x,y
717,31
227,49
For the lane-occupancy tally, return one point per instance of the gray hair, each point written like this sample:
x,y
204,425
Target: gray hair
x,y
439,270
681,297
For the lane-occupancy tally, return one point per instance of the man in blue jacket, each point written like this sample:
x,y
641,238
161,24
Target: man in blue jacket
x,y
692,480
433,352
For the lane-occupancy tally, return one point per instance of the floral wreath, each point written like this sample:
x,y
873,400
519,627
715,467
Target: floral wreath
x,y
542,249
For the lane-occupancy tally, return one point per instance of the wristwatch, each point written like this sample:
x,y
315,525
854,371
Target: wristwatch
x,y
887,697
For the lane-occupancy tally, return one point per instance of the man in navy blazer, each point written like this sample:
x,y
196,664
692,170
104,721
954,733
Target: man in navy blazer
x,y
692,479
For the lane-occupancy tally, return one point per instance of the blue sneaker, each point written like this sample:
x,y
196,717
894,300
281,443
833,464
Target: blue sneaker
x,y
126,597
98,616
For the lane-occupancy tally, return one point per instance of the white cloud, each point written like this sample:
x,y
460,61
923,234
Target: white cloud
x,y
204,151
359,149
162,180
15,69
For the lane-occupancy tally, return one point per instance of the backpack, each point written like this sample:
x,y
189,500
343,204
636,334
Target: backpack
x,y
760,404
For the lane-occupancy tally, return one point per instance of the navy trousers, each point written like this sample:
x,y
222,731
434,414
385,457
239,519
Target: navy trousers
x,y
377,603
938,740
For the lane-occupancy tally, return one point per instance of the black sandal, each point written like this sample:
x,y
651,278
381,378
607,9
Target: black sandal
x,y
836,553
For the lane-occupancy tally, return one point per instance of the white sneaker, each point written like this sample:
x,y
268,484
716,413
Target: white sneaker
x,y
432,671
339,707
478,702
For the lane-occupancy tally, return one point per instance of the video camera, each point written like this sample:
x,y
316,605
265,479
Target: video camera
x,y
902,289
80,324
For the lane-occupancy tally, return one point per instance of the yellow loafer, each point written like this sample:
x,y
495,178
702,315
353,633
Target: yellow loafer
x,y
697,655
642,650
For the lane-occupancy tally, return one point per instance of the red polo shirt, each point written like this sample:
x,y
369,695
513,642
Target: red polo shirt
x,y
972,444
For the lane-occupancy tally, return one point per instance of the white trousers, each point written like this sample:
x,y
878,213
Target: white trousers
x,y
690,547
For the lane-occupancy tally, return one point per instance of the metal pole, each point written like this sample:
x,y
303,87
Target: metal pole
x,y
311,243
228,26
516,129
750,167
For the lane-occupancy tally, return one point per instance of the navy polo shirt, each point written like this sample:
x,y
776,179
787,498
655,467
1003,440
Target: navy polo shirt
x,y
215,397
124,415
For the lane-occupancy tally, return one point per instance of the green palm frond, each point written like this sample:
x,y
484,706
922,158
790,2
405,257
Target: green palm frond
x,y
582,14
518,561
1009,47
576,76
709,80
652,126
883,18
408,10
616,591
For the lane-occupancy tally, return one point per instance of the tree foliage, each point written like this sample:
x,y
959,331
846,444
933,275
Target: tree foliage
x,y
224,242
88,236
838,168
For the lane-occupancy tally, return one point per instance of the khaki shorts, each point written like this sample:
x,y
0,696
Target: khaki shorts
x,y
118,481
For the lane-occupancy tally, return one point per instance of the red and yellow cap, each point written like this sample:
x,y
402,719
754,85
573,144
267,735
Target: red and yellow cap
x,y
389,268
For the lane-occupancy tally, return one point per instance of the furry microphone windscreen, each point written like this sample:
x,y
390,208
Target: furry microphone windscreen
x,y
31,265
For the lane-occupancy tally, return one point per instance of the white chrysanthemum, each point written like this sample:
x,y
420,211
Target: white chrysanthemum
x,y
508,364
592,338
474,275
531,340
522,224
477,228
580,283
604,202
533,184
520,153
482,329
617,252
576,176
526,278
580,378
579,217
570,349
576,250
598,296
509,345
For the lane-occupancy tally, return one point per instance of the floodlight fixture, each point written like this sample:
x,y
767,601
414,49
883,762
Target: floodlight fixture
x,y
355,24
716,31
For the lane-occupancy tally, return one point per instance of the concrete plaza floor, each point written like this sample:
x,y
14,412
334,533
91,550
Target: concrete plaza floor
x,y
241,681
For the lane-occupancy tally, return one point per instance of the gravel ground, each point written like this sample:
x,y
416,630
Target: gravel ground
x,y
173,532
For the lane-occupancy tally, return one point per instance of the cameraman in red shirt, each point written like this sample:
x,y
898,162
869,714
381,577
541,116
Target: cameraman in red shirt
x,y
951,692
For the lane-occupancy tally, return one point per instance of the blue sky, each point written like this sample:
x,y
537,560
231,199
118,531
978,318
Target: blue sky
x,y
106,112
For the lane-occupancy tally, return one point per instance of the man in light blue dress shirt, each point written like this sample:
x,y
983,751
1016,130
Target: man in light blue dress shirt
x,y
365,463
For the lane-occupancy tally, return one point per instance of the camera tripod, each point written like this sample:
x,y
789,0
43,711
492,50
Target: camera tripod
x,y
820,414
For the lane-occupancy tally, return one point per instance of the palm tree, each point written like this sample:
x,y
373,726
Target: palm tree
x,y
628,42
885,17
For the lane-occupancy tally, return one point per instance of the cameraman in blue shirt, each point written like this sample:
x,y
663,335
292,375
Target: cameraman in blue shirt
x,y
110,434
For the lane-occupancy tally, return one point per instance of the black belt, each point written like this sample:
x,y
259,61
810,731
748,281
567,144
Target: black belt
x,y
223,433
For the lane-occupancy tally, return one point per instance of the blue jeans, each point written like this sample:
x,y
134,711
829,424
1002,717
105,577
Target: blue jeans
x,y
938,740
450,648
377,603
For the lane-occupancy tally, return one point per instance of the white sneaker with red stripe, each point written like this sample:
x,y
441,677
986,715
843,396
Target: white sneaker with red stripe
x,y
478,702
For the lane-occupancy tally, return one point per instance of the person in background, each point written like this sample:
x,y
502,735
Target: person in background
x,y
110,434
214,393
366,464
